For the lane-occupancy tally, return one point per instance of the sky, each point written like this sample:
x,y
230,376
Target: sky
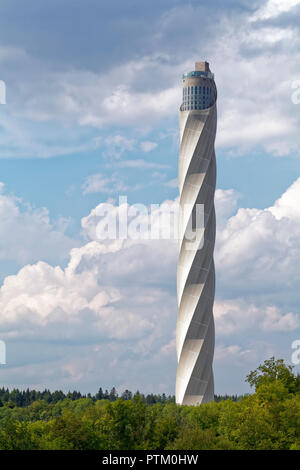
x,y
93,90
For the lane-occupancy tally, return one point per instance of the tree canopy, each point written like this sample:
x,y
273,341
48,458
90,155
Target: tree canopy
x,y
267,419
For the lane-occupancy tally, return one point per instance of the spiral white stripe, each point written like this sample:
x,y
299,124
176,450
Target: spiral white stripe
x,y
196,275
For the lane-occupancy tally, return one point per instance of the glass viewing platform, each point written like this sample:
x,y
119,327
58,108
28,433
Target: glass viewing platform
x,y
198,73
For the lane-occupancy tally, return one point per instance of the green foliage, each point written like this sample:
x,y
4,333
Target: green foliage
x,y
272,370
194,438
267,419
25,398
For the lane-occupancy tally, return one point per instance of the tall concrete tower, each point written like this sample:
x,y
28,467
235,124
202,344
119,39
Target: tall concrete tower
x,y
195,335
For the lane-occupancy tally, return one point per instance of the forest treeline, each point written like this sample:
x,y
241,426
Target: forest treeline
x,y
269,418
23,398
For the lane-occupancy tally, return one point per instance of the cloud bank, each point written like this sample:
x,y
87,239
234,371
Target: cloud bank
x,y
117,299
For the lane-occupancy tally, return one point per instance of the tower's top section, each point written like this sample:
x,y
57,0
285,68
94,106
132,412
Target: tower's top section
x,y
201,70
199,88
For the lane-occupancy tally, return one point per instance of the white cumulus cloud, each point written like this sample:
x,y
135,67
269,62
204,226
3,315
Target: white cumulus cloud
x,y
27,234
274,8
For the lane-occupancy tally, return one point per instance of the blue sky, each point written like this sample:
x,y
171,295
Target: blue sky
x,y
93,91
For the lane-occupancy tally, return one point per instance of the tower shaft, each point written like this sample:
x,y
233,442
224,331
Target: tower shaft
x,y
196,274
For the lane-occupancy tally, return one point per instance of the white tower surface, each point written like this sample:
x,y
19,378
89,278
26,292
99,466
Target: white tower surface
x,y
195,335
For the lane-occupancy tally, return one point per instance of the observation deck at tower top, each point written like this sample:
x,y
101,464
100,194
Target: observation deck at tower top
x,y
197,73
199,89
201,70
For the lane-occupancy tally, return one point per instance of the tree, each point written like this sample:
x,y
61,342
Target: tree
x,y
14,435
272,370
193,438
99,394
113,394
126,395
70,432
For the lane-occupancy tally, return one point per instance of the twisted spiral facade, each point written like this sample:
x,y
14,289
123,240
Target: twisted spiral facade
x,y
196,274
